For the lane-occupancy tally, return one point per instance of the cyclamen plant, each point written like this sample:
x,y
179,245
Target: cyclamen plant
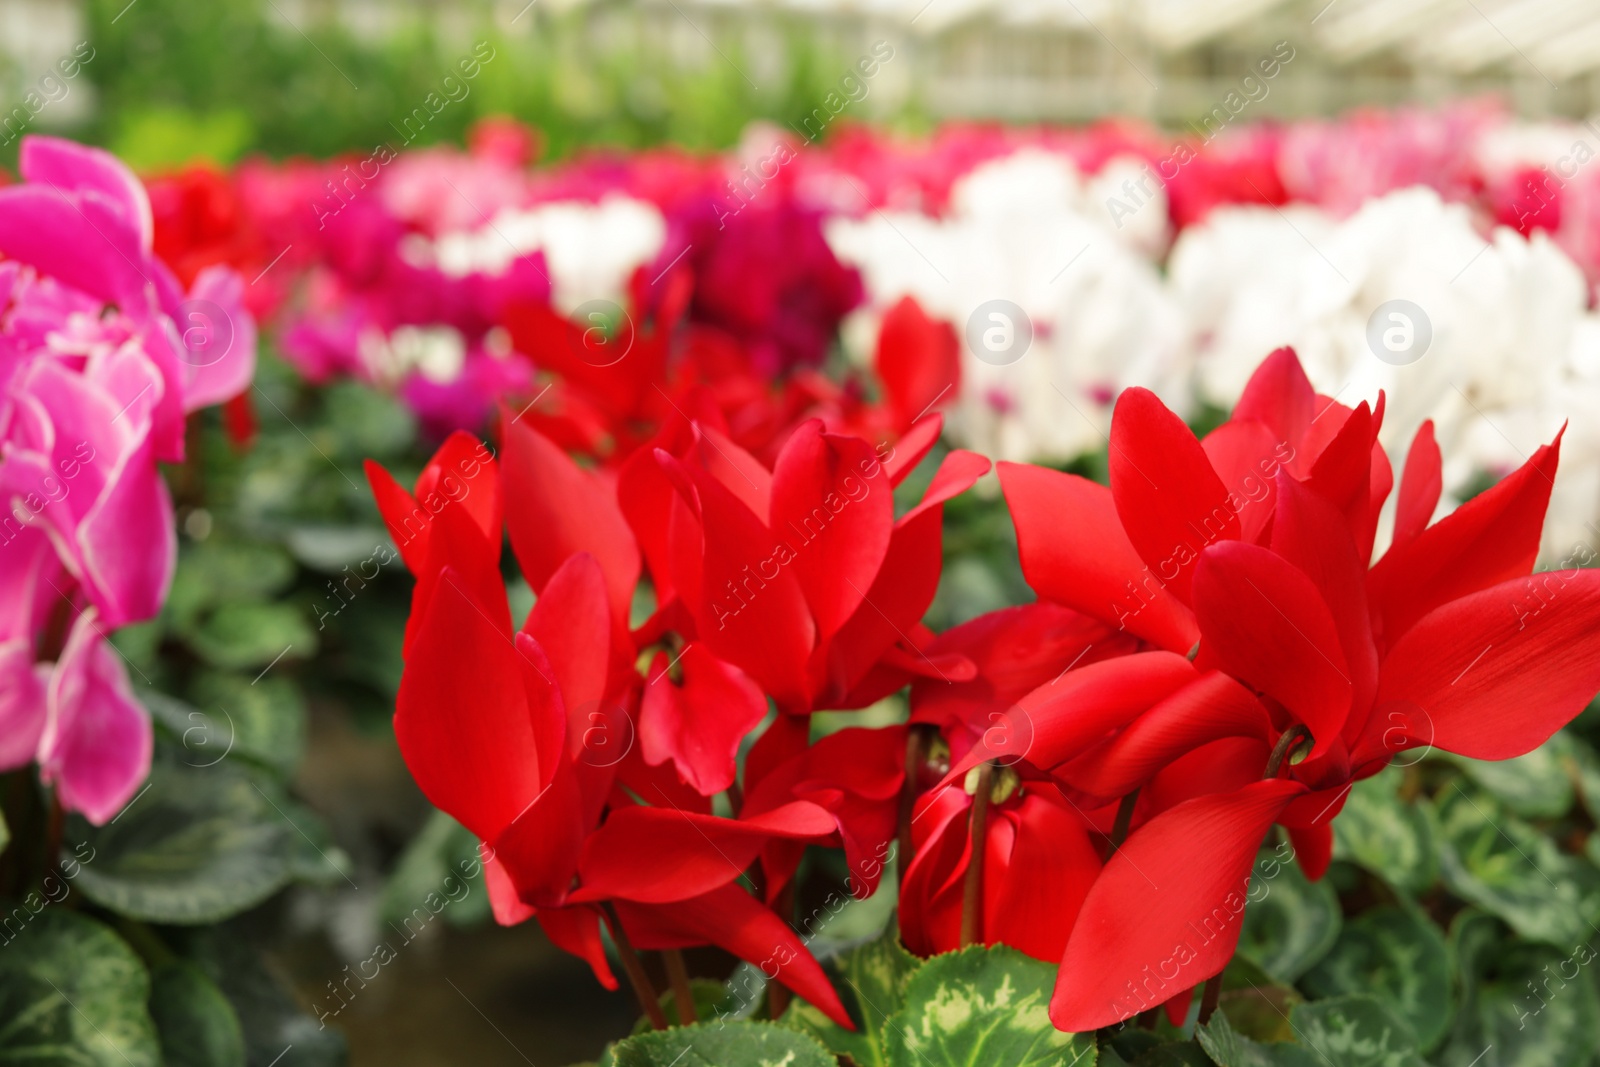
x,y
102,355
1085,780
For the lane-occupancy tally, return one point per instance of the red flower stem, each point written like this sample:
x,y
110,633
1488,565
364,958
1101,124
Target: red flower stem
x,y
1119,829
916,753
972,888
1288,741
777,993
682,991
1208,999
648,1000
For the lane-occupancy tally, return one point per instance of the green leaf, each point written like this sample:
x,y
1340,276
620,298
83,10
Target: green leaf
x,y
716,1044
713,1001
241,635
218,571
1385,835
1535,785
198,845
1290,922
871,980
1257,1006
198,1026
268,1014
1522,1005
1495,860
5,832
72,993
1355,1031
329,549
441,860
1229,1048
1586,764
264,723
1174,1054
1128,1044
985,1006
366,422
1398,955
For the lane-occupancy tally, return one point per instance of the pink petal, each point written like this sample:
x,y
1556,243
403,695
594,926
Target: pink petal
x,y
98,739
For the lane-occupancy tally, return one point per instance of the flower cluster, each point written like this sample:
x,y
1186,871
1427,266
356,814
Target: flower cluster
x,y
612,293
103,352
1086,778
585,744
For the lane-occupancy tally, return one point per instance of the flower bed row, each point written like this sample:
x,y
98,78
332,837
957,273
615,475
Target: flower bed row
x,y
732,439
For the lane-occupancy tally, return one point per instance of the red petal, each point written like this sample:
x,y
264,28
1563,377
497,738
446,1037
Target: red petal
x,y
856,774
460,475
1309,533
905,585
1279,395
833,505
730,918
463,472
1247,457
1343,475
572,626
956,474
554,509
1313,846
655,855
1490,539
1165,914
1063,718
907,452
930,892
577,930
918,360
738,471
461,718
1036,877
507,906
746,600
1015,650
1420,485
785,737
698,725
540,849
1212,707
1494,674
1266,624
407,524
1074,551
1216,767
1170,500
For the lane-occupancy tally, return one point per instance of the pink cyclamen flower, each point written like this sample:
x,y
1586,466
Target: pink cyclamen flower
x,y
102,354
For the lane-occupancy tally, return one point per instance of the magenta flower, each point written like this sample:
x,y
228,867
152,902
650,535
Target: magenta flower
x,y
102,354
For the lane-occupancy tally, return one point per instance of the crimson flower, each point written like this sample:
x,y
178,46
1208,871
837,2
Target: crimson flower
x,y
1251,549
495,723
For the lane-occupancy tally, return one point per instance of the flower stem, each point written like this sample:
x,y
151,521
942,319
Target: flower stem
x,y
1208,999
682,991
636,972
1290,739
1119,829
916,752
972,888
777,993
55,827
